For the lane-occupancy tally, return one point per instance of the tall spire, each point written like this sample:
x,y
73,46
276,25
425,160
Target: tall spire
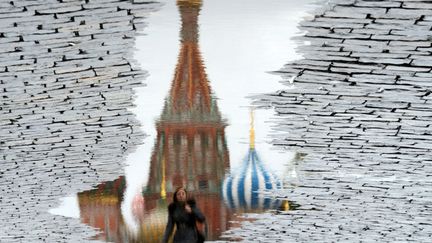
x,y
189,12
190,148
190,97
252,130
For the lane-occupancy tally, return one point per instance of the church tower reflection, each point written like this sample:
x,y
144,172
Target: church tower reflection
x,y
190,147
190,150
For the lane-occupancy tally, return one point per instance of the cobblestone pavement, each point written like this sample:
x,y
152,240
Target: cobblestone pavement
x,y
66,80
360,108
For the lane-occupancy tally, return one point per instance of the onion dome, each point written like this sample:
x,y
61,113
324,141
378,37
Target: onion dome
x,y
242,190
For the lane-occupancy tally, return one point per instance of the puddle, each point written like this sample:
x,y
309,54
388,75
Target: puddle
x,y
202,132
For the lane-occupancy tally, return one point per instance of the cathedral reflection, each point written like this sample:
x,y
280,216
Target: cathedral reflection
x,y
190,147
190,150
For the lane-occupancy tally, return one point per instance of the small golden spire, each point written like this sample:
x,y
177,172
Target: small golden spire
x,y
252,131
163,183
285,205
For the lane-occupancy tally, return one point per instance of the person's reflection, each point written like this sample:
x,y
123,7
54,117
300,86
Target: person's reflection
x,y
183,213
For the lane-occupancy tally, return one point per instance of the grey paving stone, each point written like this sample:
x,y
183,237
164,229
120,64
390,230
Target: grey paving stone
x,y
48,105
377,3
364,121
370,146
408,13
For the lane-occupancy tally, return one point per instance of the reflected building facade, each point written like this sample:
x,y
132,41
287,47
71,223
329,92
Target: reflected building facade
x,y
190,150
101,209
190,147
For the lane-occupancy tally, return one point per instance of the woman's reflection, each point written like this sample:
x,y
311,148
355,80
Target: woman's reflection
x,y
183,213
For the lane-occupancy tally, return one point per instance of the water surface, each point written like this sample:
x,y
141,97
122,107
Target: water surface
x,y
204,60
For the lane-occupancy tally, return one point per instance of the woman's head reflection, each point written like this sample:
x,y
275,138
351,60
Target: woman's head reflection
x,y
180,195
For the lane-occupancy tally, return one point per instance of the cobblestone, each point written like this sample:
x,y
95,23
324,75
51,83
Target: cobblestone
x,y
66,83
364,122
358,106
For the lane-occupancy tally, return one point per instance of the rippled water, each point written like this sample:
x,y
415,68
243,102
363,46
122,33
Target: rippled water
x,y
204,60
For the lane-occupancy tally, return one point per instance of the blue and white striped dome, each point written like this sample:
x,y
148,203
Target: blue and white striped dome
x,y
241,190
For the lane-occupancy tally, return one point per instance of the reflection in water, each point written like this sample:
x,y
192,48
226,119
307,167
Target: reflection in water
x,y
241,189
100,208
190,147
190,150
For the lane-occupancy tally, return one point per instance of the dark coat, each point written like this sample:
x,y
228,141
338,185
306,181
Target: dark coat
x,y
186,231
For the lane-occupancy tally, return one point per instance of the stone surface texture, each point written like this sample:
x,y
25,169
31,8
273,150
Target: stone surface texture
x,y
66,83
359,105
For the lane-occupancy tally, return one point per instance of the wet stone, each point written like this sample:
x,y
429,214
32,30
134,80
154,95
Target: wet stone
x,y
48,105
370,148
365,177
